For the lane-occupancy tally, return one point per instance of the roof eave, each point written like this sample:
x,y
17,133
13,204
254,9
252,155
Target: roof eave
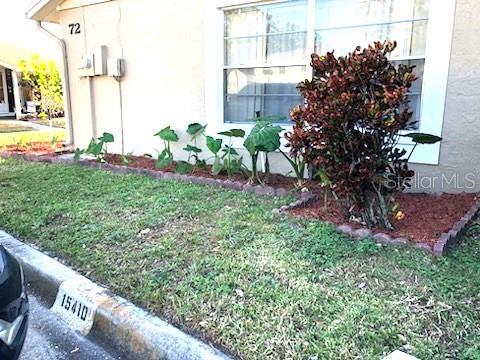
x,y
43,10
9,66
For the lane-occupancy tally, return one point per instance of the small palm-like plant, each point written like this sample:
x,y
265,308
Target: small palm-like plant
x,y
165,158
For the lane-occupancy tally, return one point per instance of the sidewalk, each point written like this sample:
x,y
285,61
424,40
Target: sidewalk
x,y
28,124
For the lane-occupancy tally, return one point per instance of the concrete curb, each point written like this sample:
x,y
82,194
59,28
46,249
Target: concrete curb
x,y
117,322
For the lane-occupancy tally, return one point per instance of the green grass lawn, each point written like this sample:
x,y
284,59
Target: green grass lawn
x,y
24,137
9,128
219,265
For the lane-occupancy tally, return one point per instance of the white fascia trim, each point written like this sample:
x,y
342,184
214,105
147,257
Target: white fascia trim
x,y
35,7
8,66
40,9
72,4
437,62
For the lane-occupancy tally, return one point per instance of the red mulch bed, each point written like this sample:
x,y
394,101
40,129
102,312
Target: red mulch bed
x,y
142,162
427,216
35,148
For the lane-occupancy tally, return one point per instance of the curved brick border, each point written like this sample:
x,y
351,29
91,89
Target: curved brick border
x,y
439,249
380,237
452,237
305,199
156,174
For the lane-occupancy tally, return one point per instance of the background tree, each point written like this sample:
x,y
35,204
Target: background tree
x,y
43,77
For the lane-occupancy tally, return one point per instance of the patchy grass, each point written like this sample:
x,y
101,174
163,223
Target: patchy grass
x,y
24,137
218,264
9,128
56,122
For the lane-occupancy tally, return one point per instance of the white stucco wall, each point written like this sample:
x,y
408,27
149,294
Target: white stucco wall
x,y
163,85
163,46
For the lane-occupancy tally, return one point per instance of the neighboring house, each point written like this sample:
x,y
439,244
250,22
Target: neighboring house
x,y
224,62
11,95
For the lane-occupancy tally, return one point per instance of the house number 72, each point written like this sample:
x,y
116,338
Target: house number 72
x,y
74,28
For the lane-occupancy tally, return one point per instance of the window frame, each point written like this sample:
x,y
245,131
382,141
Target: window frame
x,y
434,88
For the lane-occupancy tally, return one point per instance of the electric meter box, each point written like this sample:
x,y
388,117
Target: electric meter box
x,y
116,67
100,60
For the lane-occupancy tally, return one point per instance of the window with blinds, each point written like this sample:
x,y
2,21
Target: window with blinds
x,y
267,48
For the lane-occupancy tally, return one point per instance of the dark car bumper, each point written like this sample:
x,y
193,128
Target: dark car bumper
x,y
14,308
12,352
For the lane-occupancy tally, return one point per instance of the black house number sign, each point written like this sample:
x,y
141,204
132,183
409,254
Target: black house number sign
x,y
74,28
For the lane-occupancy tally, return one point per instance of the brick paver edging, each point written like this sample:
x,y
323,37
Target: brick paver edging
x,y
439,249
453,236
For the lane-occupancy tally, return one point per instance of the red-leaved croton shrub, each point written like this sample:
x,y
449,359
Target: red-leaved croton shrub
x,y
355,107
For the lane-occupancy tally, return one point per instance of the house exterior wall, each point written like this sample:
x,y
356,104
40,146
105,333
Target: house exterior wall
x,y
459,165
165,85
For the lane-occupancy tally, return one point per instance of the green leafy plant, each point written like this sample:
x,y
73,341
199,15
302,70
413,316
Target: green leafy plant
x,y
299,144
183,167
21,144
264,137
97,148
195,130
298,164
215,145
53,142
165,158
421,138
78,153
232,161
126,158
322,176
